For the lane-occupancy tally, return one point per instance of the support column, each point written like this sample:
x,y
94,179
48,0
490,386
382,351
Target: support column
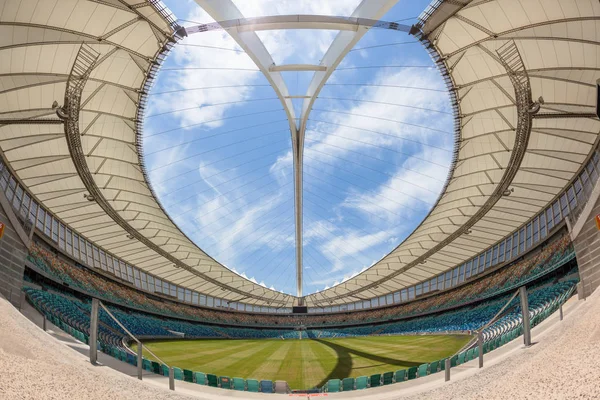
x,y
480,347
94,332
447,370
525,313
44,322
139,360
561,311
171,379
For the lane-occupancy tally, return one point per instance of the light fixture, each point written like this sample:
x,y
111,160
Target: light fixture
x,y
507,192
89,197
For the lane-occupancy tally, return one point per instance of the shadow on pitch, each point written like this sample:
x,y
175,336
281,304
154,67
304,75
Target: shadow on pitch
x,y
344,360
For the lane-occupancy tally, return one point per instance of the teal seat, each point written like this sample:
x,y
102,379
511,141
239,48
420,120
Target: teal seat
x,y
469,355
461,358
361,382
188,375
388,378
267,386
252,385
333,385
375,380
347,384
155,367
200,378
165,370
225,382
443,364
433,367
147,365
177,373
239,384
475,353
412,373
453,361
212,380
401,375
423,370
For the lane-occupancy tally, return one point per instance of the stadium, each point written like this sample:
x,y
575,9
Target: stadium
x,y
367,199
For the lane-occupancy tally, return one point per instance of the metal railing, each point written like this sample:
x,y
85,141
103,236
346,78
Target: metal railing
x,y
96,304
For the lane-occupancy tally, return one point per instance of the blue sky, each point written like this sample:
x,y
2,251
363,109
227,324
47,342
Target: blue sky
x,y
378,146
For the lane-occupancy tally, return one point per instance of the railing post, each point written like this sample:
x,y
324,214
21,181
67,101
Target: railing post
x,y
171,379
139,360
94,332
447,370
44,322
480,347
561,311
525,313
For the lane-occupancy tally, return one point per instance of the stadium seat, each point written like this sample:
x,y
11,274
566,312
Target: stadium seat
x,y
177,373
433,367
333,385
443,364
375,380
388,378
224,382
422,371
239,384
362,382
412,373
147,365
401,375
461,358
469,355
165,370
188,375
212,380
253,385
155,367
266,386
200,378
347,384
453,361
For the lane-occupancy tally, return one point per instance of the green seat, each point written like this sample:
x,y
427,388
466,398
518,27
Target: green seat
x,y
388,378
146,364
486,347
401,375
252,385
469,355
423,370
188,375
347,384
412,373
453,361
361,382
433,367
443,364
212,380
177,373
225,382
461,358
165,370
333,385
239,384
200,378
375,380
155,367
475,353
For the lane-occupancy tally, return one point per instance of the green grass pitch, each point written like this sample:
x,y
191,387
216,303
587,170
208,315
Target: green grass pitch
x,y
305,363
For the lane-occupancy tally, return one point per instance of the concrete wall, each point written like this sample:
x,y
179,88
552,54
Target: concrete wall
x,y
13,250
587,244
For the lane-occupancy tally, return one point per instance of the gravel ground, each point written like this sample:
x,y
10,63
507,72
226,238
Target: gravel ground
x,y
34,365
565,364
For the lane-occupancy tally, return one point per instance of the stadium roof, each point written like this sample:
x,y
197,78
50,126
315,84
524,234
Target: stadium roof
x,y
508,164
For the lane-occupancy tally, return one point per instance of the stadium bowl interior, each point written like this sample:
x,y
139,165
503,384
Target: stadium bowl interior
x,y
355,199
